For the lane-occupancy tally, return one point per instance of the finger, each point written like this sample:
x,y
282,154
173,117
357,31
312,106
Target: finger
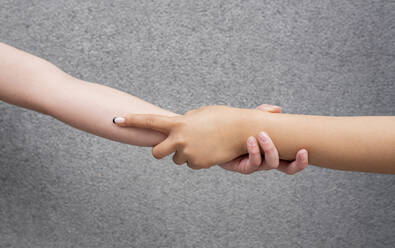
x,y
154,122
269,108
270,151
294,167
167,147
179,158
233,165
239,165
254,155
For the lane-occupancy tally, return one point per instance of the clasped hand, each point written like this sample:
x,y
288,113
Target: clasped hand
x,y
214,135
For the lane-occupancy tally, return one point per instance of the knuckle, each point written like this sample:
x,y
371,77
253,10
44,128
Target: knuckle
x,y
177,162
179,140
149,121
255,152
269,148
186,153
204,166
193,166
179,120
198,163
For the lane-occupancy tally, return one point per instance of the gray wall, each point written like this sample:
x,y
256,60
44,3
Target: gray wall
x,y
60,187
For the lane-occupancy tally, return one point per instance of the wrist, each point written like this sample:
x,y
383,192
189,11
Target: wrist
x,y
261,121
252,121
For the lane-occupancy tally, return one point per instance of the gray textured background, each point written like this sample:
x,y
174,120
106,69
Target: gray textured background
x,y
60,187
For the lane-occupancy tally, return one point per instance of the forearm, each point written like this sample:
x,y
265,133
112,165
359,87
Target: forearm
x,y
31,82
91,107
344,143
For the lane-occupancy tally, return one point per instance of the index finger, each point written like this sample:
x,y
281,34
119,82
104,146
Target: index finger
x,y
155,122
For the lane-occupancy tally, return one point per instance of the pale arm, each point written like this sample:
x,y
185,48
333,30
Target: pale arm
x,y
33,83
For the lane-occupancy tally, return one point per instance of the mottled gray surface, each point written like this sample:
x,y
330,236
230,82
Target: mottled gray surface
x,y
60,187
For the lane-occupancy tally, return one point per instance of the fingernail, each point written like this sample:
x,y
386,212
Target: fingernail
x,y
118,120
304,155
263,137
250,141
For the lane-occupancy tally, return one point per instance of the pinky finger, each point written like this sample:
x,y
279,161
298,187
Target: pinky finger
x,y
294,167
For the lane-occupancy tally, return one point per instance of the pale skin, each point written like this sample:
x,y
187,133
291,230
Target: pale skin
x,y
364,143
34,83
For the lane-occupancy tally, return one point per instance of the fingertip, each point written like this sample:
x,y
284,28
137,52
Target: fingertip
x,y
263,106
269,108
301,161
271,160
302,156
251,141
299,164
263,138
254,155
252,145
118,120
156,153
276,109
